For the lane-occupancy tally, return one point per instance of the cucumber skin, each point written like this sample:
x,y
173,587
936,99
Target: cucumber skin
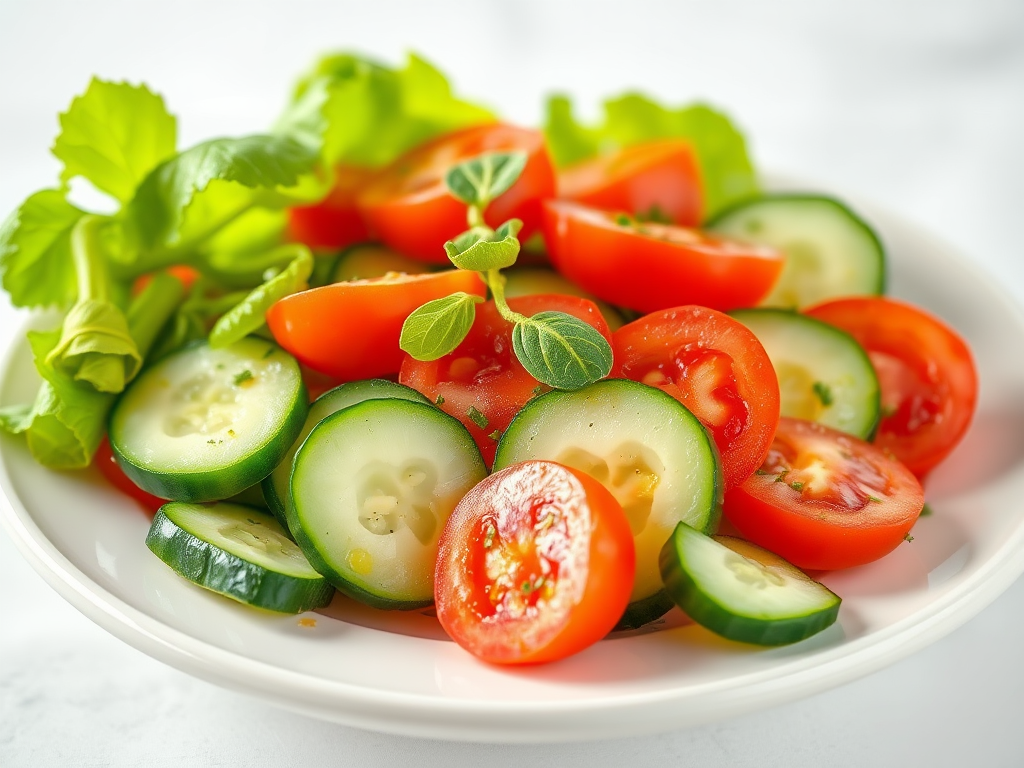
x,y
208,566
646,610
701,607
320,564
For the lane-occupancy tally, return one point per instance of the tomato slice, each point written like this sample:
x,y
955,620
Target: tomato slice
x,y
657,181
653,266
535,563
351,330
482,383
335,222
716,367
105,462
824,499
409,207
928,382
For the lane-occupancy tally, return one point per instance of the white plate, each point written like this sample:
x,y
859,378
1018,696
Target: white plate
x,y
398,674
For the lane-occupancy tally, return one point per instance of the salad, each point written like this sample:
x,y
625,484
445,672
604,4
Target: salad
x,y
547,383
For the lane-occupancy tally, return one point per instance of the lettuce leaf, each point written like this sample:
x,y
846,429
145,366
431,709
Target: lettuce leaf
x,y
358,112
727,173
114,134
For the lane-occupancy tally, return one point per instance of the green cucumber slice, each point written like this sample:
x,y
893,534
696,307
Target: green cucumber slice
x,y
238,552
275,485
824,374
743,592
203,424
372,488
830,250
362,262
646,448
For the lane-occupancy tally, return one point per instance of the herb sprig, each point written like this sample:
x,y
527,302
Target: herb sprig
x,y
556,348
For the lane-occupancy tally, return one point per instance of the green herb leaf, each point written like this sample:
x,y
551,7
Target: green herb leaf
x,y
35,251
359,112
479,180
197,192
114,135
479,249
561,351
241,378
477,417
823,392
439,326
727,174
250,314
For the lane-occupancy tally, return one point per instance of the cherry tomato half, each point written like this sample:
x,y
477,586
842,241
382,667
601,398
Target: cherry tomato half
x,y
649,266
657,181
105,462
824,499
335,222
482,383
409,207
716,367
928,382
351,330
535,563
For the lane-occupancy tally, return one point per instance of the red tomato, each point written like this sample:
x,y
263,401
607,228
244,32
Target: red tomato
x,y
929,385
535,563
655,266
482,383
350,330
658,180
714,366
186,274
824,499
335,222
107,465
409,207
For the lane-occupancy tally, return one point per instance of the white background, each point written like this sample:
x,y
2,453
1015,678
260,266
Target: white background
x,y
917,105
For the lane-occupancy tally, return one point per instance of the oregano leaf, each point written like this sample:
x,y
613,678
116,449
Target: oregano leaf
x,y
439,326
479,180
562,351
479,249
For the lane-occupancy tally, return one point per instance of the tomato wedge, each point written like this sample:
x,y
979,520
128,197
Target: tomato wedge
x,y
350,330
105,462
482,383
825,500
657,181
716,367
409,207
652,266
928,382
535,563
335,222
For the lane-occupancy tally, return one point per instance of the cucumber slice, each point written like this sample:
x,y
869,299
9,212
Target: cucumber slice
x,y
646,448
529,281
824,374
204,424
372,488
362,262
743,592
238,552
830,250
275,485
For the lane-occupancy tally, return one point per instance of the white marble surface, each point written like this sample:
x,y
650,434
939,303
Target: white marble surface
x,y
917,105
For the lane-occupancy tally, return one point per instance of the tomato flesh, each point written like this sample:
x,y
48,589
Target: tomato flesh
x,y
408,206
657,181
334,223
717,368
105,462
650,266
926,374
350,331
535,563
482,383
825,500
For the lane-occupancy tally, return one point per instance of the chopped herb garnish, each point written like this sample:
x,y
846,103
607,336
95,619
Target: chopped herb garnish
x,y
243,377
907,537
762,472
269,352
874,499
538,390
796,486
926,510
489,536
623,220
824,392
440,400
495,435
655,215
477,418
